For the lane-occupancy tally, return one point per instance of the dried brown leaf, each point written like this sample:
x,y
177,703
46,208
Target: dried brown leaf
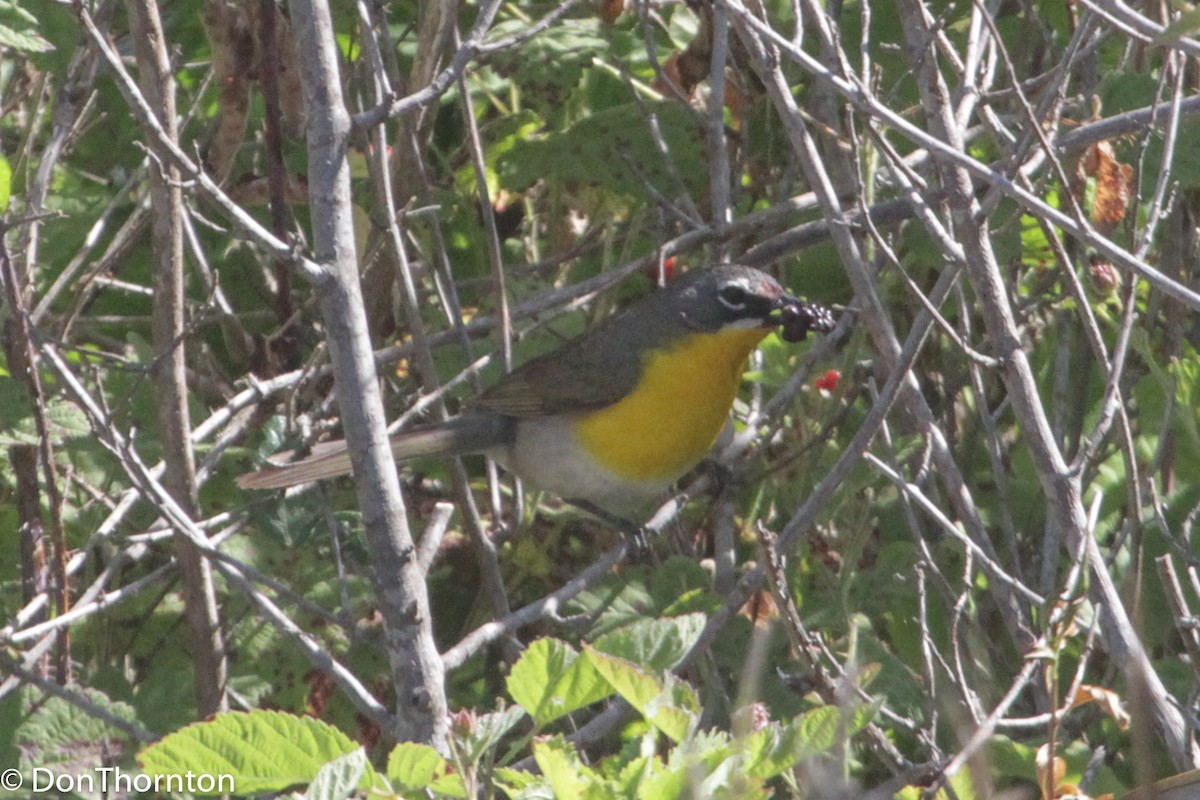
x,y
1107,699
611,9
1114,186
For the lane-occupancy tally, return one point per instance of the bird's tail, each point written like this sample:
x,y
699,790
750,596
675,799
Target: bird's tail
x,y
466,433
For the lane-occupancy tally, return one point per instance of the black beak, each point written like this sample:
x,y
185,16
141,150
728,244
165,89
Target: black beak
x,y
778,308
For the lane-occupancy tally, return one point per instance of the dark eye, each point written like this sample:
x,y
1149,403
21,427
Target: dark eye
x,y
733,295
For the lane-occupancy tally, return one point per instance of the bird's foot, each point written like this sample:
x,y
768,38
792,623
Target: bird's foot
x,y
636,544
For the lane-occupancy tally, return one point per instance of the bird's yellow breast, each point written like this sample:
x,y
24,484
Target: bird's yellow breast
x,y
673,417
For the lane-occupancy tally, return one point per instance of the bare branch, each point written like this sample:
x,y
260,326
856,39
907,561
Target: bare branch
x,y
200,602
416,667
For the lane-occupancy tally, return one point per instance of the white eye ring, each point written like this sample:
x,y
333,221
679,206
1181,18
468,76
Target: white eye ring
x,y
733,295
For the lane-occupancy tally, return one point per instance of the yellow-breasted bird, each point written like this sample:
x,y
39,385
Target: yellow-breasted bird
x,y
610,420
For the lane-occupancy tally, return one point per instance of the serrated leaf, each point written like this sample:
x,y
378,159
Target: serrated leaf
x,y
657,644
634,772
862,716
263,751
515,781
819,729
66,419
616,601
728,779
546,66
18,426
614,149
563,769
12,13
823,728
551,680
413,766
57,734
682,586
339,778
699,756
771,750
23,435
27,41
488,730
18,31
449,786
668,703
663,784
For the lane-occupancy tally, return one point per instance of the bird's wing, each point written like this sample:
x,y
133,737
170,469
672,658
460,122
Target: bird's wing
x,y
583,375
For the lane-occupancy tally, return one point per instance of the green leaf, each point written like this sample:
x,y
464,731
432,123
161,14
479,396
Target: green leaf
x,y
564,770
728,779
12,13
1186,25
1121,91
66,420
681,586
698,758
634,774
5,183
515,782
657,644
508,132
413,766
616,601
450,785
774,748
663,784
819,729
962,787
26,40
57,734
668,704
771,749
487,731
614,148
548,65
263,751
551,680
14,403
18,31
823,728
339,778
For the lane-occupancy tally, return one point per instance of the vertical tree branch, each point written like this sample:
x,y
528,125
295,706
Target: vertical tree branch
x,y
170,377
34,579
276,170
18,346
417,668
720,210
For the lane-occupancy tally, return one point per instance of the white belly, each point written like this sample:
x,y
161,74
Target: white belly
x,y
547,454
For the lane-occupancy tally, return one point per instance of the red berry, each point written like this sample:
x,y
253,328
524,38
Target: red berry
x,y
828,382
